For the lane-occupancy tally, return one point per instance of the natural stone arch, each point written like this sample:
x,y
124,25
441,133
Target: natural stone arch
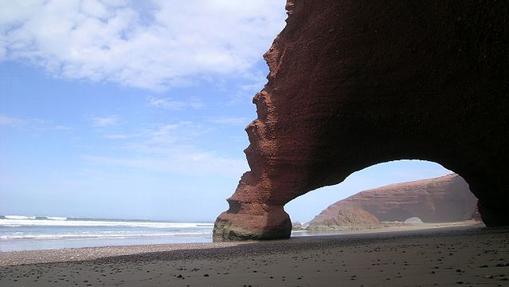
x,y
422,189
356,82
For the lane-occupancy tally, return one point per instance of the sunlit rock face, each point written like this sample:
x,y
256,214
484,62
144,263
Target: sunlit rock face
x,y
354,83
443,199
343,216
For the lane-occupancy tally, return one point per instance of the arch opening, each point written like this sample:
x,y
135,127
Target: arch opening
x,y
402,194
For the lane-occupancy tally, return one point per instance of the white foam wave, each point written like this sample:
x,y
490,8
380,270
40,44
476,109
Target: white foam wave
x,y
19,217
99,235
28,221
56,218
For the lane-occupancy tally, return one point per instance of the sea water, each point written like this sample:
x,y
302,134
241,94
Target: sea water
x,y
34,233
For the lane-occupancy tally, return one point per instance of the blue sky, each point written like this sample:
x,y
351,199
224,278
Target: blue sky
x,y
125,110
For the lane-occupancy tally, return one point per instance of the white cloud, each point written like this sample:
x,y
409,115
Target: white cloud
x,y
3,52
180,161
235,121
169,104
61,128
10,121
253,83
31,124
117,136
170,148
152,45
105,121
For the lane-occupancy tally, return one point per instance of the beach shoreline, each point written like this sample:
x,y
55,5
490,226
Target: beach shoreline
x,y
471,255
52,255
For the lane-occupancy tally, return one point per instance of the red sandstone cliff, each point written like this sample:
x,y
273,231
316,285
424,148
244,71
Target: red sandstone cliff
x,y
343,214
442,199
353,83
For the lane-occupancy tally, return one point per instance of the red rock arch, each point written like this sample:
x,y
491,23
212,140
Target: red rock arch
x,y
353,83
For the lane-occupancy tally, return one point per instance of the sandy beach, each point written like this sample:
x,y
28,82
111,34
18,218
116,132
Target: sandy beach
x,y
452,256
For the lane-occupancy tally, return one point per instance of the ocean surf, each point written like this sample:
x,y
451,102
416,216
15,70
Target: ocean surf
x,y
49,232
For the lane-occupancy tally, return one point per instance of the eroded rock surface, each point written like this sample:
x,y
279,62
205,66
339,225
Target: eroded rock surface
x,y
443,199
343,215
353,83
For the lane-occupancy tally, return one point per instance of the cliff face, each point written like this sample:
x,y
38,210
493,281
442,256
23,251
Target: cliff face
x,y
343,215
442,199
353,83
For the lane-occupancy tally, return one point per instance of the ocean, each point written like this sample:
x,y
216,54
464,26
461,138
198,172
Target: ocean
x,y
34,233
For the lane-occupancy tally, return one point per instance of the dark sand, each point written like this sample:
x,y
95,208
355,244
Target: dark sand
x,y
454,256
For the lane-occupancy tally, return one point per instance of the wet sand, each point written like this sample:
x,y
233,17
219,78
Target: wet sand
x,y
452,256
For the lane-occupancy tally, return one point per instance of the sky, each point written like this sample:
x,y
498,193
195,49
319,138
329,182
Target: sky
x,y
137,109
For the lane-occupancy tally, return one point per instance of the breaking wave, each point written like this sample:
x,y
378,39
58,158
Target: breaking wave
x,y
17,221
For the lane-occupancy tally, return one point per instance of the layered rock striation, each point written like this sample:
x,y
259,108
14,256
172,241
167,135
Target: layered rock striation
x,y
443,199
343,215
353,83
